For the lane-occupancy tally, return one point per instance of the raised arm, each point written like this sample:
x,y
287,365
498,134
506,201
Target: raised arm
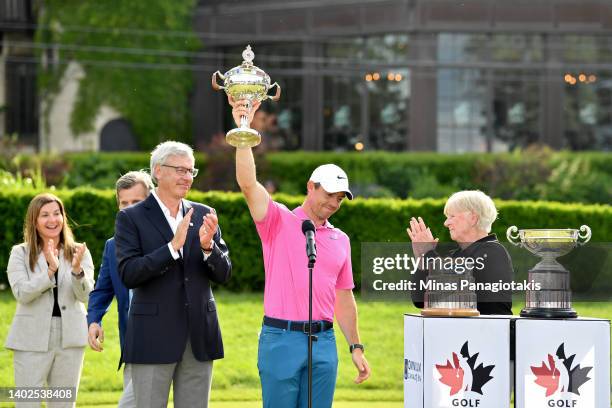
x,y
246,175
256,196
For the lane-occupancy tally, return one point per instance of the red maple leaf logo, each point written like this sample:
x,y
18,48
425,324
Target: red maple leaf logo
x,y
547,377
452,375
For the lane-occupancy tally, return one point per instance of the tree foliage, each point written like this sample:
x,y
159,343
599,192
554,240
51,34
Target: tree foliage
x,y
136,58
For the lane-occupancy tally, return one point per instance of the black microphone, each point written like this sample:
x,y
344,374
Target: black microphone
x,y
308,229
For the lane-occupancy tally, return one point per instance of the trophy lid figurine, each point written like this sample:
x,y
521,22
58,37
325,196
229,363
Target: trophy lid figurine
x,y
554,299
245,81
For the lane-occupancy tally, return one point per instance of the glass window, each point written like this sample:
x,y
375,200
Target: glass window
x,y
488,109
388,99
480,110
366,107
341,112
282,128
585,48
387,48
341,51
464,48
461,110
515,109
516,47
588,111
21,110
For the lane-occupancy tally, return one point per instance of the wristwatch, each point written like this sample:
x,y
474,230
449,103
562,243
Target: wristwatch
x,y
78,275
352,347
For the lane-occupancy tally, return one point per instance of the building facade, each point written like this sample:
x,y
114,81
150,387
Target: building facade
x,y
436,75
399,75
18,96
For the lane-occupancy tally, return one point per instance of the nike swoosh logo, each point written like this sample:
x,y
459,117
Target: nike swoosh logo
x,y
341,178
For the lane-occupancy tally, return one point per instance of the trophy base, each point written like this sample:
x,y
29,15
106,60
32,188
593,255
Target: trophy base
x,y
449,312
540,312
243,137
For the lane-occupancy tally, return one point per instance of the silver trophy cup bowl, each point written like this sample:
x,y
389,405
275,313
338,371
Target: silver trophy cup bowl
x,y
245,81
554,299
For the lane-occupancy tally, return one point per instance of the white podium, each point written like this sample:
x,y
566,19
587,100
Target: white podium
x,y
562,363
456,362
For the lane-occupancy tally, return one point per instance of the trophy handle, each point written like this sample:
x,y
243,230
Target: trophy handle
x,y
513,236
215,84
584,234
277,95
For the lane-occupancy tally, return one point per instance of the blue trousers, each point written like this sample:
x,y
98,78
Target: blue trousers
x,y
282,360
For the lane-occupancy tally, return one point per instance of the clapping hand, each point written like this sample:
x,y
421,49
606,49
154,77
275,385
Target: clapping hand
x,y
181,231
208,230
421,237
78,257
52,257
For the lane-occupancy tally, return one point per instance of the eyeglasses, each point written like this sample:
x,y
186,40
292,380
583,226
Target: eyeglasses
x,y
182,171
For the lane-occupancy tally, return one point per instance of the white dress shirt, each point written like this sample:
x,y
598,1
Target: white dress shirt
x,y
174,223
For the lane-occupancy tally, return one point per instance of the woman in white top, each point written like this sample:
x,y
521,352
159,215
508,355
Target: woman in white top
x,y
51,276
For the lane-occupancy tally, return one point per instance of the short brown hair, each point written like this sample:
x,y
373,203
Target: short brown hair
x,y
130,179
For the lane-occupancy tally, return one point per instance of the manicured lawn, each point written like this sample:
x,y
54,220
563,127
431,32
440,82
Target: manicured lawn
x,y
257,404
236,383
235,377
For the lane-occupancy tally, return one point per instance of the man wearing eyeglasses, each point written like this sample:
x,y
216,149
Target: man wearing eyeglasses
x,y
169,250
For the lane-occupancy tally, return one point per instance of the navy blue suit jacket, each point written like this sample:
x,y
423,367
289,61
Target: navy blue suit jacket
x,y
172,300
109,285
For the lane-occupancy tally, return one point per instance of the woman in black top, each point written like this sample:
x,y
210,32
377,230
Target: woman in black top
x,y
469,216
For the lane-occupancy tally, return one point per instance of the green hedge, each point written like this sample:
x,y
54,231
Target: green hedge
x,y
97,170
372,220
536,174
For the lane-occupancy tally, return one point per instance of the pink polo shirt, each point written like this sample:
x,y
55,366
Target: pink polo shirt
x,y
286,265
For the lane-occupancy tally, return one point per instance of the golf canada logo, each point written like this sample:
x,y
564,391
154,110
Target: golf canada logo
x,y
464,377
561,378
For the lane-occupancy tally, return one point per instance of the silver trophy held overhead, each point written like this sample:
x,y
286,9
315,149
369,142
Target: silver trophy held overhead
x,y
554,299
245,81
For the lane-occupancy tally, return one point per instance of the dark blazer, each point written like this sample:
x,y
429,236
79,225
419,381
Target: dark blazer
x,y
109,285
497,266
172,299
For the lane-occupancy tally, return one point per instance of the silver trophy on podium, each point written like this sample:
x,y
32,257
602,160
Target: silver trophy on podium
x,y
245,81
554,299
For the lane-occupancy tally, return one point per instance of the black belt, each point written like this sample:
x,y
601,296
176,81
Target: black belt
x,y
317,325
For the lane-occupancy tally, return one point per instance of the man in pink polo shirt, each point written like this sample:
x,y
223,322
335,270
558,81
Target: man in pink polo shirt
x,y
283,344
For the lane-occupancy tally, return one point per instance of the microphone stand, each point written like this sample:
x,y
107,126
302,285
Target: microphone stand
x,y
311,338
308,228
